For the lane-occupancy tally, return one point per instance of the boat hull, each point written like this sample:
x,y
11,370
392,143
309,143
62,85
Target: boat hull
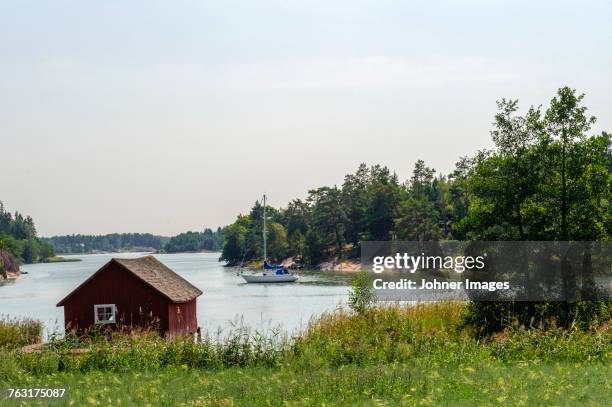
x,y
270,278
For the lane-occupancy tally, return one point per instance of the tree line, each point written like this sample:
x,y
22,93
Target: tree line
x,y
546,178
18,237
114,242
122,242
195,241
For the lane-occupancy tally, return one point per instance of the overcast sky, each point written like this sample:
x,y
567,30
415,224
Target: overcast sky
x,y
167,116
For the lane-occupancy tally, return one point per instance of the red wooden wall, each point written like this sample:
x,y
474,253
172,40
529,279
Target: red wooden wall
x,y
182,317
135,301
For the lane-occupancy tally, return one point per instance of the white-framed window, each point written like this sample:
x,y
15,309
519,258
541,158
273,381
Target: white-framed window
x,y
104,313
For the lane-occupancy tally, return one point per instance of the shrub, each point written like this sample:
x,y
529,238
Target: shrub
x,y
361,296
486,318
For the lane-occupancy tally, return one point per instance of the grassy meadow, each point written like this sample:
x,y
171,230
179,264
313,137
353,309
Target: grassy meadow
x,y
413,384
392,355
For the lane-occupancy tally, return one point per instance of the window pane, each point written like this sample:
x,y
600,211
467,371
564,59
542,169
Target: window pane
x,y
105,313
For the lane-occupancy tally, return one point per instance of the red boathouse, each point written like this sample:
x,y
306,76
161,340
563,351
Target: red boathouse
x,y
133,292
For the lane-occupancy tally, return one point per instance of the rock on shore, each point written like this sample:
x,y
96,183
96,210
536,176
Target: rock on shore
x,y
348,265
9,267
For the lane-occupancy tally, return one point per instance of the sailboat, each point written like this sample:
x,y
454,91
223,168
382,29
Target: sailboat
x,y
272,273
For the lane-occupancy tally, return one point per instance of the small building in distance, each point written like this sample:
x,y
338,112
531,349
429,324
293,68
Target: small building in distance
x,y
139,292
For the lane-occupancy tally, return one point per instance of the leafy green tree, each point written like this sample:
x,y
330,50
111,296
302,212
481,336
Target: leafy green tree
x,y
576,190
277,241
458,196
443,205
254,236
362,296
384,199
418,219
6,219
22,228
297,244
355,198
195,241
296,219
234,246
504,181
545,180
316,249
31,251
18,235
46,250
328,216
12,245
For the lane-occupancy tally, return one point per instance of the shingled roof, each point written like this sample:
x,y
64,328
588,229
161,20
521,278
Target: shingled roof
x,y
155,274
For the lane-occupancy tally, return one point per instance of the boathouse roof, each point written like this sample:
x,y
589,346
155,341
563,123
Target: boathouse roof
x,y
155,274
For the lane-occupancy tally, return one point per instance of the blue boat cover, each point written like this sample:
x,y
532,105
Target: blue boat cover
x,y
268,266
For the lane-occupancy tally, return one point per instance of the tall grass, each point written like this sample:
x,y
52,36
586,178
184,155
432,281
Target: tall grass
x,y
436,333
16,332
141,350
553,343
388,334
425,333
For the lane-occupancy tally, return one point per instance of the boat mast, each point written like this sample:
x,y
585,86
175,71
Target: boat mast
x,y
265,254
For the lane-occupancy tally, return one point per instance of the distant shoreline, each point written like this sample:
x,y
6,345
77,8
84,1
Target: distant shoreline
x,y
59,259
134,251
187,251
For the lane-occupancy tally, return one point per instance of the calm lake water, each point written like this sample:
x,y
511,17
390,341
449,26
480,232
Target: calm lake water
x,y
226,300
